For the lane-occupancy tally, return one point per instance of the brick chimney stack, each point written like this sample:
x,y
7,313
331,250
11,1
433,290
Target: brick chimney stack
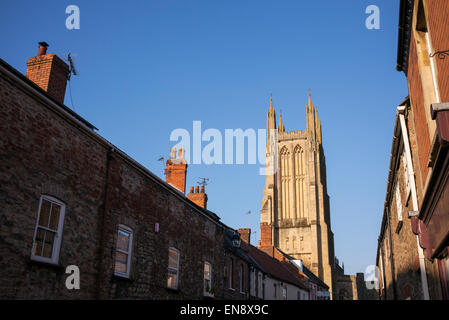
x,y
245,234
49,72
198,196
176,170
266,239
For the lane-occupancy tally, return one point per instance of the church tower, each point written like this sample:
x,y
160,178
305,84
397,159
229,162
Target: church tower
x,y
295,207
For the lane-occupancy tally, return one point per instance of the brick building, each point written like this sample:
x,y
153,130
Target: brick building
x,y
412,254
71,198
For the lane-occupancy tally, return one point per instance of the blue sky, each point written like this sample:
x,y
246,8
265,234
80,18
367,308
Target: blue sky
x,y
149,67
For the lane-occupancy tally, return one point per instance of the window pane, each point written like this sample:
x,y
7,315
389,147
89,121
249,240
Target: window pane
x,y
54,218
207,286
173,258
48,244
172,279
121,262
45,213
123,240
207,271
38,242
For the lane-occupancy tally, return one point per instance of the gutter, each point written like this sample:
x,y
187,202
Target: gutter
x,y
393,280
405,20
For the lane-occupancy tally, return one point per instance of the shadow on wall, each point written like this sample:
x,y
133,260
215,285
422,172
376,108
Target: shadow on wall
x,y
407,286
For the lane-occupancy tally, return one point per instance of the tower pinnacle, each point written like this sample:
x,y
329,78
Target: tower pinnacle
x,y
281,124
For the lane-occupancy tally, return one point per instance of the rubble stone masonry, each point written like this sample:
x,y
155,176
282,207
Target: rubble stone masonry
x,y
46,151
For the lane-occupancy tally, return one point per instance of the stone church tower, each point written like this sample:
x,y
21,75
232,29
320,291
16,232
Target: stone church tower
x,y
295,207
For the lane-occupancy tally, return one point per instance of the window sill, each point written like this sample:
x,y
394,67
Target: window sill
x,y
174,290
55,266
232,289
208,294
122,277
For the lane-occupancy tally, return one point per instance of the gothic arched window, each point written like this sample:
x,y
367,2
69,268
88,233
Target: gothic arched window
x,y
285,182
299,181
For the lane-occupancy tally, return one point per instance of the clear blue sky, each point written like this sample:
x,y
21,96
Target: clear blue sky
x,y
148,67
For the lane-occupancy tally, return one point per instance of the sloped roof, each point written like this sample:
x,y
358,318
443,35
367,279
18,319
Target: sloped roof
x,y
239,251
309,274
274,267
314,278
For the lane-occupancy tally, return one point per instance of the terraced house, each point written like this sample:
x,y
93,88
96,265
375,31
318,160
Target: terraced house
x,y
412,253
71,198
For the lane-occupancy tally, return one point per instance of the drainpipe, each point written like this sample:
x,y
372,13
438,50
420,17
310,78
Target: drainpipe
x,y
411,176
381,262
103,225
393,281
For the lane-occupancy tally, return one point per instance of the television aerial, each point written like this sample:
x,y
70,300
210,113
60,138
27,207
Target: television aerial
x,y
203,181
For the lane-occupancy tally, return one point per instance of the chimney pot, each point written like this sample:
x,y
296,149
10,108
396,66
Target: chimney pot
x,y
42,48
181,153
199,198
202,189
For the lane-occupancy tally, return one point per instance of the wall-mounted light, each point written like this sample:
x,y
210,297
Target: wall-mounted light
x,y
236,240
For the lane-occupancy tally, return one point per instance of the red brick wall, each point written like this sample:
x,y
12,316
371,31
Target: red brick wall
x,y
437,20
419,110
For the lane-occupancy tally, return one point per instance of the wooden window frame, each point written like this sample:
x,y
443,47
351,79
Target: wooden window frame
x,y
57,240
126,229
204,277
176,287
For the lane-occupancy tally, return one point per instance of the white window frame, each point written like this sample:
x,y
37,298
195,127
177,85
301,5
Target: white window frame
x,y
129,252
284,292
210,277
173,269
58,234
